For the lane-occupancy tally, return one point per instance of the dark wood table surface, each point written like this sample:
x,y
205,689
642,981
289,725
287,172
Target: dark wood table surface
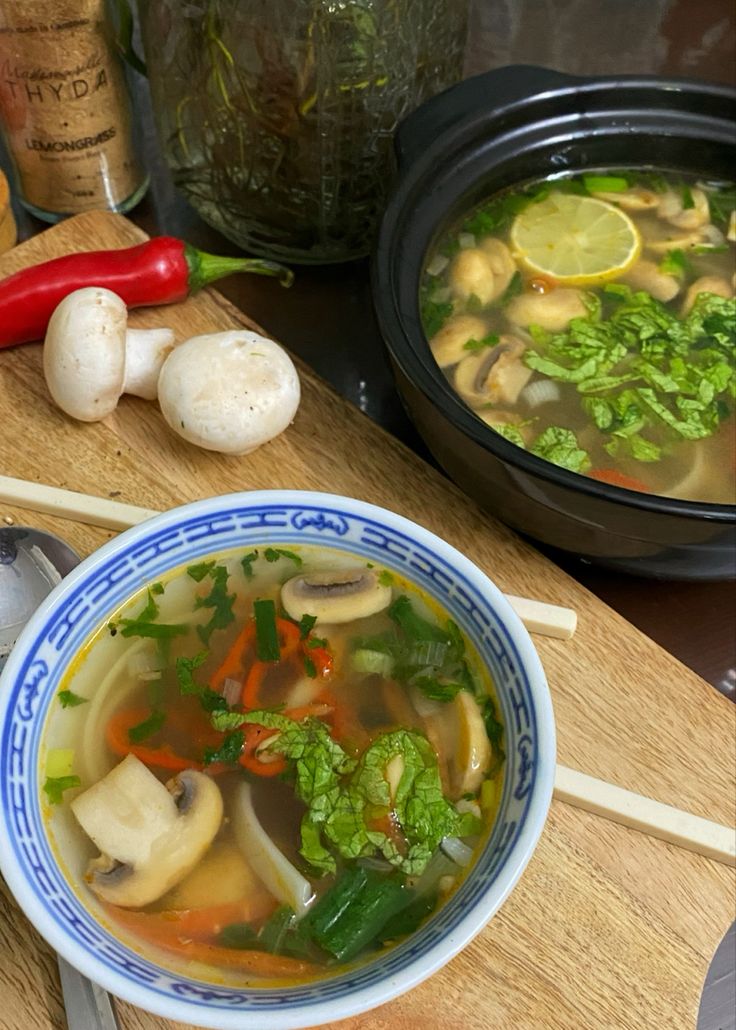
x,y
327,316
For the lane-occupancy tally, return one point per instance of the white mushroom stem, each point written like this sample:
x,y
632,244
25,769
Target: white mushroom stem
x,y
145,352
90,358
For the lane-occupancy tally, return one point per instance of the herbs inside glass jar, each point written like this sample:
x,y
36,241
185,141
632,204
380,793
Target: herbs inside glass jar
x,y
277,116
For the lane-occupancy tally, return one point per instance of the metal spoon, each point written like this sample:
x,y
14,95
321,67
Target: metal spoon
x,y
31,564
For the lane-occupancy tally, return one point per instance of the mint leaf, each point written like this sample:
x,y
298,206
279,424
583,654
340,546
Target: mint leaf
x,y
424,814
560,446
509,432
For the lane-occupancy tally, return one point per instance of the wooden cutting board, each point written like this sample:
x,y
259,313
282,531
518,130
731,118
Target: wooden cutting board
x,y
608,928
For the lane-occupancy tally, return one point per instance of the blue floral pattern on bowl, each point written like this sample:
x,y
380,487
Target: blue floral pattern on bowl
x,y
144,554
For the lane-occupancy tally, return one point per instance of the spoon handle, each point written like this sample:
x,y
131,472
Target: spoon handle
x,y
88,1007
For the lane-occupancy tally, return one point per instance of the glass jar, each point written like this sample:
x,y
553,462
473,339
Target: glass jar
x,y
277,116
65,109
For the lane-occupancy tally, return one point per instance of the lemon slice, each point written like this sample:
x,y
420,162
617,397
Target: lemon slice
x,y
576,240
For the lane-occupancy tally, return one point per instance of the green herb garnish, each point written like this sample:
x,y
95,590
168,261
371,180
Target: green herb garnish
x,y
228,752
273,554
247,563
148,728
477,345
68,699
55,786
218,599
267,637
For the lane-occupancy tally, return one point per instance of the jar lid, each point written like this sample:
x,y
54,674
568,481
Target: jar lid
x,y
8,230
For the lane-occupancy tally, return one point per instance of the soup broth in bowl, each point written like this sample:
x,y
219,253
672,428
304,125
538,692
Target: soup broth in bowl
x,y
272,763
591,320
270,759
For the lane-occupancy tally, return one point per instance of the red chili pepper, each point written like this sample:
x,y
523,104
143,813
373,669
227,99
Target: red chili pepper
x,y
163,270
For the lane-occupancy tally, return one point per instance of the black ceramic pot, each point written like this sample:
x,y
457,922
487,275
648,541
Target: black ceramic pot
x,y
490,132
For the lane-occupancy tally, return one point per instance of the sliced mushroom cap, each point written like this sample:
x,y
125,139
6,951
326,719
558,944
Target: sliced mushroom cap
x,y
501,261
674,241
150,835
552,311
459,733
672,209
715,284
494,375
645,275
635,199
471,275
336,596
448,345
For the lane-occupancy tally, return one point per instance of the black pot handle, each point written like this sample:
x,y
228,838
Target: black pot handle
x,y
497,88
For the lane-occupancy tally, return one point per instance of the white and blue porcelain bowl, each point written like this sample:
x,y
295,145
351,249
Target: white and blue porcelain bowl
x,y
98,586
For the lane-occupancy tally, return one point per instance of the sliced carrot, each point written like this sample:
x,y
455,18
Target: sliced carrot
x,y
203,924
163,757
616,478
289,637
252,684
259,963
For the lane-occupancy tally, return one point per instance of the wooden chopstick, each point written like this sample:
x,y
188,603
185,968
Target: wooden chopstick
x,y
684,830
549,620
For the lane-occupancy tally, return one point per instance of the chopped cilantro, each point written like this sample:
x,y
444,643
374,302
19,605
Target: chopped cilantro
x,y
272,554
198,572
306,625
309,667
157,588
386,578
68,699
228,752
477,345
434,315
55,786
218,599
148,728
209,699
675,263
247,563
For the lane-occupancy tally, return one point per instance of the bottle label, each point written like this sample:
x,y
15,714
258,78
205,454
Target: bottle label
x,y
64,106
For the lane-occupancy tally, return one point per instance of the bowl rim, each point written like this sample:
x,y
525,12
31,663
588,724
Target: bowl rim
x,y
401,329
479,911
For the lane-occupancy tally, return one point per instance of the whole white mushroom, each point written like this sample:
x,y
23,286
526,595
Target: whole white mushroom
x,y
91,358
229,391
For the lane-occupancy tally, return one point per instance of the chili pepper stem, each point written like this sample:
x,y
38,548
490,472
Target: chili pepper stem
x,y
207,268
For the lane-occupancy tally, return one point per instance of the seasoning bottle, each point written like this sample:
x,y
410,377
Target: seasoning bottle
x,y
8,230
65,109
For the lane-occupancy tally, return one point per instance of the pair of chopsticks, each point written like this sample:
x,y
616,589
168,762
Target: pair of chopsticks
x,y
673,825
